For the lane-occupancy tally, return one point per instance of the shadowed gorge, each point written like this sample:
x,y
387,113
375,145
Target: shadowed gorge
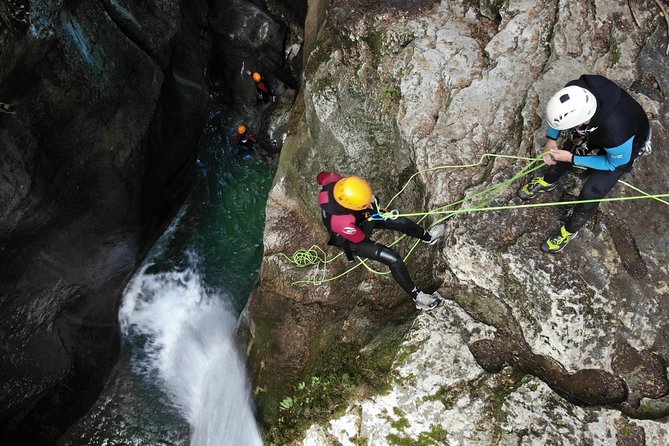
x,y
97,156
103,105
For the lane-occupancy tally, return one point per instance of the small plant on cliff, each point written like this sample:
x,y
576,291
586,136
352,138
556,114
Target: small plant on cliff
x,y
391,92
614,47
437,435
401,423
287,403
7,108
628,431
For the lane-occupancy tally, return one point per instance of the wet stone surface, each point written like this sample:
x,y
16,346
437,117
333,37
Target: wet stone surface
x,y
644,372
626,247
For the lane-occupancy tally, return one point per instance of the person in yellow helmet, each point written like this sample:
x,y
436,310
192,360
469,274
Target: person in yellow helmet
x,y
263,91
346,204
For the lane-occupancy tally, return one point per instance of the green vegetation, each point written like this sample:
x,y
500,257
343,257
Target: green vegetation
x,y
437,435
401,423
358,441
375,40
334,373
7,108
614,48
313,399
628,431
265,395
391,91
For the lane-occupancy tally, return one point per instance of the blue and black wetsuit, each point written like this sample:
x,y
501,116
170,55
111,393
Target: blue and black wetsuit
x,y
616,133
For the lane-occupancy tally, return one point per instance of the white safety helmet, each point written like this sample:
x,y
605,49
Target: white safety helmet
x,y
570,107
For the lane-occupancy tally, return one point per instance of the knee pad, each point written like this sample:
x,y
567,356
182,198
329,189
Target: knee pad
x,y
388,256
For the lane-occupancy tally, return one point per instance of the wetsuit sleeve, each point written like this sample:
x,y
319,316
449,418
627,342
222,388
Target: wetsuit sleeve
x,y
615,157
552,133
251,138
345,226
325,178
237,140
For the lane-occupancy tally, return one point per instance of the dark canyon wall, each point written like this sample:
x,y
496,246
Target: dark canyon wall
x,y
102,105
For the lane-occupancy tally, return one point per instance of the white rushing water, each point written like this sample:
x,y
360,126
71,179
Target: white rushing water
x,y
187,331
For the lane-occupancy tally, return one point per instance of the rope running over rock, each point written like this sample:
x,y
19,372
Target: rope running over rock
x,y
315,256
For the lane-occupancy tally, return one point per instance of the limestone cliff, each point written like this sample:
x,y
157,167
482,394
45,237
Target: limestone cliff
x,y
527,342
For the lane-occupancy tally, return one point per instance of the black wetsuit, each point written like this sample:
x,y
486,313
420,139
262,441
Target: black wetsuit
x,y
245,141
616,133
263,92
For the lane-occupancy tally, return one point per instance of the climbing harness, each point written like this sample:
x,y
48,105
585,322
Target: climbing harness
x,y
382,214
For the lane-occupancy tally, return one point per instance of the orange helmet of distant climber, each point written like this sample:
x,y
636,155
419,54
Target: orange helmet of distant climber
x,y
353,193
256,76
241,129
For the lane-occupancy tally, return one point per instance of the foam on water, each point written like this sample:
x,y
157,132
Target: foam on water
x,y
188,346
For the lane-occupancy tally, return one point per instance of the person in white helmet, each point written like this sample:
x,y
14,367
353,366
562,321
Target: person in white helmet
x,y
607,128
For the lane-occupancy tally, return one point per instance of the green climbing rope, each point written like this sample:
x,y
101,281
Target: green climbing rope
x,y
522,206
315,256
308,257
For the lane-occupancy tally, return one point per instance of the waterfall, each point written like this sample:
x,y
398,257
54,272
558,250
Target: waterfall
x,y
184,335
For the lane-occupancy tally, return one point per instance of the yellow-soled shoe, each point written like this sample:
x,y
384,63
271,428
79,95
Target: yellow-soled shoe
x,y
557,242
536,186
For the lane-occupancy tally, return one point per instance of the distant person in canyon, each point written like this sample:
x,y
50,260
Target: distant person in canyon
x,y
346,204
605,130
244,141
263,91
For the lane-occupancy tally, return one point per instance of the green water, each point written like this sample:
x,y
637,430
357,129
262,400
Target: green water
x,y
224,216
228,219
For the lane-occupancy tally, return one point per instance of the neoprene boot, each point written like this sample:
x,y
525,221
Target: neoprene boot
x,y
427,302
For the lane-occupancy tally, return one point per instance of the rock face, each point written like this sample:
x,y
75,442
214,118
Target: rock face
x,y
527,340
103,103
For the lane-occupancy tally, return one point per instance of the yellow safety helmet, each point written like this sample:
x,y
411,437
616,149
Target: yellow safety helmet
x,y
241,129
353,193
256,76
